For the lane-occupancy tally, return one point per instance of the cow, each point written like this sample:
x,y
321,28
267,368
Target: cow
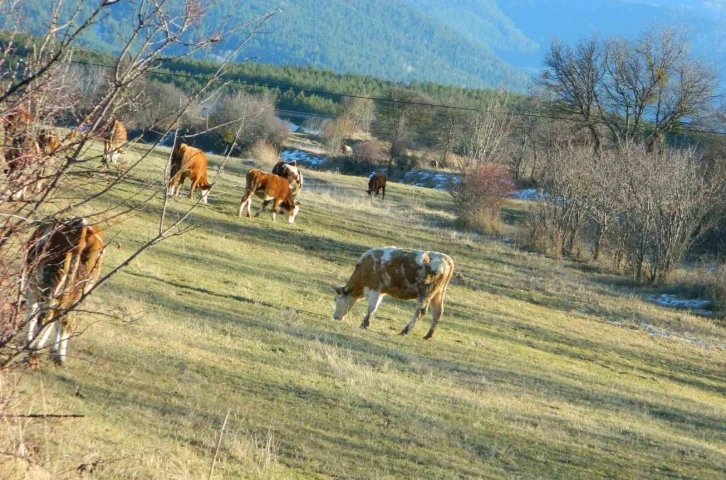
x,y
270,188
62,263
48,141
21,157
17,120
292,173
189,162
376,183
114,141
434,164
402,274
346,150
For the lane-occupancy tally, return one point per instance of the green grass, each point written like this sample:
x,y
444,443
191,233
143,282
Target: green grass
x,y
525,379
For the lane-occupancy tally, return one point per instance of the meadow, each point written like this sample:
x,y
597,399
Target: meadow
x,y
540,368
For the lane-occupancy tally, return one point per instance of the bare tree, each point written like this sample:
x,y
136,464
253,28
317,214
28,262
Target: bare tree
x,y
637,90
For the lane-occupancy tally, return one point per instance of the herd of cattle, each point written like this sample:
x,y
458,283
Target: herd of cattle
x,y
64,258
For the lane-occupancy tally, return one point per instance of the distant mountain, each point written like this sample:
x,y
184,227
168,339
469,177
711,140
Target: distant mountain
x,y
474,43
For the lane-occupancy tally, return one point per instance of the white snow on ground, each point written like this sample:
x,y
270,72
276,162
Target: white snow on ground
x,y
435,180
305,158
697,305
531,194
289,125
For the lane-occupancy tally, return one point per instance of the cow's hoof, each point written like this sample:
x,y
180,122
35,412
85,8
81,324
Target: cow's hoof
x,y
364,326
404,331
429,336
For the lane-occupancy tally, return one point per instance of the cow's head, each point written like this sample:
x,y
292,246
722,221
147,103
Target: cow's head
x,y
291,208
344,301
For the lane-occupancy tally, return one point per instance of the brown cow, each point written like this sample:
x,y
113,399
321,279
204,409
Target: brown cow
x,y
376,183
114,141
63,262
402,274
292,173
189,162
434,164
270,188
48,141
346,150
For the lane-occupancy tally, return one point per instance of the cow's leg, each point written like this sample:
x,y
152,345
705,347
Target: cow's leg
x,y
384,193
437,308
104,159
263,205
191,189
205,195
246,202
421,307
374,301
31,313
275,206
59,349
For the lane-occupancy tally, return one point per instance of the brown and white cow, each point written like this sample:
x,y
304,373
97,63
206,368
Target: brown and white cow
x,y
63,262
376,183
48,141
292,173
402,274
270,188
189,162
346,150
114,141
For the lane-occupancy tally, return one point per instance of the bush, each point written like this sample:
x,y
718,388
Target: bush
x,y
480,193
333,133
716,290
264,152
371,152
241,119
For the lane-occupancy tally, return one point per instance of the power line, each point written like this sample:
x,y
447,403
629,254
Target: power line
x,y
364,97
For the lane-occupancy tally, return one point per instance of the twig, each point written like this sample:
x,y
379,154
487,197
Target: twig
x,y
46,415
219,443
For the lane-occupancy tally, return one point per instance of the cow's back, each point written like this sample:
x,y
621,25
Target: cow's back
x,y
119,135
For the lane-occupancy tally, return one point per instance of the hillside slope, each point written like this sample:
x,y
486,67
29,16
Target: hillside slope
x,y
385,38
540,368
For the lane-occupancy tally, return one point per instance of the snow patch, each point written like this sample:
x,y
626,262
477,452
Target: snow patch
x,y
696,305
530,194
305,158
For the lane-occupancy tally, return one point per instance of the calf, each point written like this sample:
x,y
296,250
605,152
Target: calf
x,y
402,274
62,263
270,188
376,183
292,173
189,162
114,141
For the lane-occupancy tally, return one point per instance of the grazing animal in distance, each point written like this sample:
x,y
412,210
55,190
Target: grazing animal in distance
x,y
434,164
270,188
114,141
63,262
188,162
402,274
48,141
292,173
377,183
346,150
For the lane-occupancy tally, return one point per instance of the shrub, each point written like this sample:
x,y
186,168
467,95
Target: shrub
x,y
480,193
716,290
264,152
333,133
371,152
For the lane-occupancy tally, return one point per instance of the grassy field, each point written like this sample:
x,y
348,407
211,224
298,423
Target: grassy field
x,y
525,379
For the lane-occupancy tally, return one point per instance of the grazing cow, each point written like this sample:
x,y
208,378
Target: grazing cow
x,y
16,121
48,141
270,188
346,150
402,274
21,156
63,262
114,141
376,183
434,164
292,173
189,162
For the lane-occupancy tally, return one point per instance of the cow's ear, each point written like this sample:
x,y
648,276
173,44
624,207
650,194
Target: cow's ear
x,y
338,290
293,163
